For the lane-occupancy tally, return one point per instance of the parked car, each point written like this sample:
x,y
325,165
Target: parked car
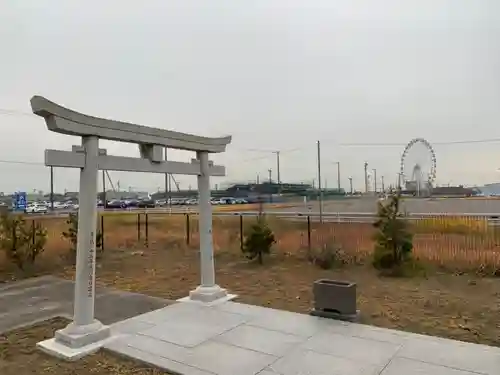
x,y
146,203
67,205
227,200
36,208
116,204
161,202
131,203
174,201
58,205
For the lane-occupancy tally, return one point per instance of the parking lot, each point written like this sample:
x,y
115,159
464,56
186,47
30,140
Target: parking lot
x,y
356,205
474,206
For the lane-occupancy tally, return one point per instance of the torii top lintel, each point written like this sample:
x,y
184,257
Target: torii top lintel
x,y
66,121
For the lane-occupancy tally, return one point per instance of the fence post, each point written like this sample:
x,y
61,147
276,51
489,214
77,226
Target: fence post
x,y
138,227
188,230
241,232
146,229
102,232
309,232
33,230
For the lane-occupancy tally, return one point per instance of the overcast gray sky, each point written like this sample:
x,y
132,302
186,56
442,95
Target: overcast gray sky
x,y
277,75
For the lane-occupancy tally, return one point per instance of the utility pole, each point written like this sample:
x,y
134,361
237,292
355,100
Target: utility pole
x,y
52,188
270,171
168,189
104,201
374,181
319,185
278,176
383,187
350,183
366,177
258,179
338,175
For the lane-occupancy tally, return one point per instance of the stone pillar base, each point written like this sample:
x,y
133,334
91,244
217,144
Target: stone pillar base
x,y
74,342
209,294
76,336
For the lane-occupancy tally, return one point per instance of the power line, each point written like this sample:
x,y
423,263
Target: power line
x,y
256,158
14,112
21,162
269,151
470,141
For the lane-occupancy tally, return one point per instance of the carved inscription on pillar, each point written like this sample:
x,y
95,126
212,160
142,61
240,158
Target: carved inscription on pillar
x,y
90,264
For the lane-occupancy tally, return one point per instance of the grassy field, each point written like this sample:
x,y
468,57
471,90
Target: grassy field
x,y
451,299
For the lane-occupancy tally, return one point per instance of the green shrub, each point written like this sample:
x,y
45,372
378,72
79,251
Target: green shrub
x,y
328,256
393,239
21,243
72,235
258,241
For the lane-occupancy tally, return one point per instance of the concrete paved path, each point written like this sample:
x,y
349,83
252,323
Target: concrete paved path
x,y
234,338
41,298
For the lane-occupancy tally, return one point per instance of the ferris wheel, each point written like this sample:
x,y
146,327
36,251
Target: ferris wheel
x,y
418,166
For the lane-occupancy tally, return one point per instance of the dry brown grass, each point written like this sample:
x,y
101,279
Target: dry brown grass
x,y
20,356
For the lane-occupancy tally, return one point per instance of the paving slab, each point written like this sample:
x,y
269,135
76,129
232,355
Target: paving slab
x,y
260,339
235,338
301,362
454,354
404,366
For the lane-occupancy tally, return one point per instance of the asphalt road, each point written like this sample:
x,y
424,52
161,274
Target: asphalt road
x,y
40,298
411,205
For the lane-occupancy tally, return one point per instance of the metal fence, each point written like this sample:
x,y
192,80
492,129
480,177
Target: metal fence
x,y
465,242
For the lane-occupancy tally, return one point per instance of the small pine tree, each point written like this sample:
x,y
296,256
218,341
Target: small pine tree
x,y
394,241
72,234
36,246
21,243
258,241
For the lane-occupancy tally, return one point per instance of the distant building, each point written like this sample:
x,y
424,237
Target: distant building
x,y
412,186
266,188
453,191
488,189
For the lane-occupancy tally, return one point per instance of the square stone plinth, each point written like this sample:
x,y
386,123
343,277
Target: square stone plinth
x,y
74,342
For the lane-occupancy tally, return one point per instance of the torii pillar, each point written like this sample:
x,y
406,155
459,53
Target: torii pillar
x,y
85,334
208,291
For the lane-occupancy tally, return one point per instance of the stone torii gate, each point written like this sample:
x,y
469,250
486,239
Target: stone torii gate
x,y
85,334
